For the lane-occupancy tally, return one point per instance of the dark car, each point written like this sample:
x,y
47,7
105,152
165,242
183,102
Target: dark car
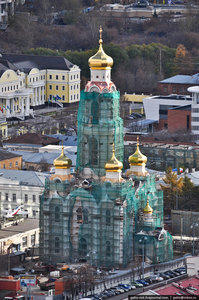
x,y
149,280
164,276
143,282
169,274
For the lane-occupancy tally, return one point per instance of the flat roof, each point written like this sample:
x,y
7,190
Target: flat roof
x,y
188,286
28,224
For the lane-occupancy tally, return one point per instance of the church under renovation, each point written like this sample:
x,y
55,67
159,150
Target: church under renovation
x,y
102,214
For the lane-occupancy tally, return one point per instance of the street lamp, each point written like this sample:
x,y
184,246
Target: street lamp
x,y
193,227
142,241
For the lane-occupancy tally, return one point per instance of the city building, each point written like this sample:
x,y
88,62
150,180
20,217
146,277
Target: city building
x,y
136,102
29,81
99,214
156,109
178,84
29,142
164,154
19,237
10,161
43,160
21,188
195,109
6,10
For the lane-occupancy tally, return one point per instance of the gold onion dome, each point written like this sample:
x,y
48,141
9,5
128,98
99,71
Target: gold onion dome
x,y
100,60
137,158
148,209
63,162
113,165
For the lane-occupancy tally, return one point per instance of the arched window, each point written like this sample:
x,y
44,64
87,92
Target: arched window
x,y
57,245
108,217
83,247
79,215
57,214
93,151
95,112
108,249
85,215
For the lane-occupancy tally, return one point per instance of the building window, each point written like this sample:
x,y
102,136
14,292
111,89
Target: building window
x,y
188,127
32,239
50,87
71,97
6,196
93,151
108,217
57,214
57,245
83,247
108,249
0,196
79,215
16,164
33,198
57,87
85,214
4,166
50,77
77,76
26,198
34,213
57,77
74,97
14,197
24,241
63,87
10,165
63,97
50,97
63,77
71,87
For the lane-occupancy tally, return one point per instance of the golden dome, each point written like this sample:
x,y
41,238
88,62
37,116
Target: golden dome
x,y
148,209
62,162
137,158
113,165
100,60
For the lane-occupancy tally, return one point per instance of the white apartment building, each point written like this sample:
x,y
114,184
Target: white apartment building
x,y
21,188
195,109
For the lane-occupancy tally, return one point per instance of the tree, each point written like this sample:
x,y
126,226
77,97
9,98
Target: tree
x,y
183,63
172,189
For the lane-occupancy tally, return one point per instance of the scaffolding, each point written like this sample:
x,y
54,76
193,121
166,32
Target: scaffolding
x,y
99,127
91,218
102,222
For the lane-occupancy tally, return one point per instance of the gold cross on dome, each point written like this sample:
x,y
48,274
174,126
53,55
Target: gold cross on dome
x,y
100,31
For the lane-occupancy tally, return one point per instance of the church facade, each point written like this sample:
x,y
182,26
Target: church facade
x,y
101,213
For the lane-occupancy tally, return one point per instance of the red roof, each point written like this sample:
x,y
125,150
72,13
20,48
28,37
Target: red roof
x,y
188,286
33,138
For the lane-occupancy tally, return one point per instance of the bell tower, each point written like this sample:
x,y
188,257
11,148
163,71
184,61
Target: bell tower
x,y
99,122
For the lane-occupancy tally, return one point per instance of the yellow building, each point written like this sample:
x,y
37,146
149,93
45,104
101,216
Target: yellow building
x,y
136,102
10,160
3,129
47,78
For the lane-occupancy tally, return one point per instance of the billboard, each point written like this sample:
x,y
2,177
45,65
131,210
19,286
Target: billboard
x,y
27,280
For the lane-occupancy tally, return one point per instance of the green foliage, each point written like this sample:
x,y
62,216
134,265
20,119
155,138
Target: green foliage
x,y
125,58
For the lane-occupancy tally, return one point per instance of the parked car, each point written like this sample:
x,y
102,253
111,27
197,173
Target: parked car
x,y
137,284
149,280
143,282
164,276
169,274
